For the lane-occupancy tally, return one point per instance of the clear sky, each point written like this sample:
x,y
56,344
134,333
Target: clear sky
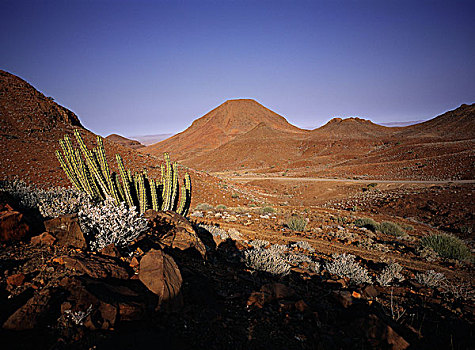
x,y
146,67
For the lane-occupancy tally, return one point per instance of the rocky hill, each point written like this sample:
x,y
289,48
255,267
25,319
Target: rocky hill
x,y
31,125
121,140
223,124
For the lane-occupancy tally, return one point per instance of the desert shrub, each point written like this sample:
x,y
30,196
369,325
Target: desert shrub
x,y
447,246
430,278
214,230
390,228
266,260
389,274
259,243
107,223
344,265
340,220
303,245
296,223
221,207
234,195
49,203
204,206
368,223
267,210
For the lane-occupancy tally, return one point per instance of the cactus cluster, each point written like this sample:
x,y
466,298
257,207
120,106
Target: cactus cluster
x,y
93,176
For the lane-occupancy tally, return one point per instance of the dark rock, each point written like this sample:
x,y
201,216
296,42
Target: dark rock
x,y
95,266
16,280
36,312
378,333
110,250
343,297
370,292
107,302
44,239
278,290
174,231
12,225
160,274
67,230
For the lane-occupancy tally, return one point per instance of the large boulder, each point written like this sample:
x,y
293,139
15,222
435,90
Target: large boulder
x,y
94,266
12,224
67,231
174,231
160,274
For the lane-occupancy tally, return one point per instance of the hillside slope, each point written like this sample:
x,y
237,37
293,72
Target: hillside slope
x,y
221,125
32,124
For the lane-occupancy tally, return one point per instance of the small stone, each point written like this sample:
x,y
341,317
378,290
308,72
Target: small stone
x,y
16,279
45,238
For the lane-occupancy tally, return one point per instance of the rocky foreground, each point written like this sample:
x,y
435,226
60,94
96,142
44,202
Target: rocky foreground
x,y
184,285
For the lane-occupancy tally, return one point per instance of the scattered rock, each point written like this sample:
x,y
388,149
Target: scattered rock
x,y
94,266
67,231
35,313
16,280
45,238
110,250
174,231
379,334
344,297
160,274
12,225
370,291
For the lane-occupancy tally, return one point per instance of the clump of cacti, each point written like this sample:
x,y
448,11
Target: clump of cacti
x,y
93,176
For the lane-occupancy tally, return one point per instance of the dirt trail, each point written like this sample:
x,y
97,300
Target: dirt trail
x,y
317,179
333,247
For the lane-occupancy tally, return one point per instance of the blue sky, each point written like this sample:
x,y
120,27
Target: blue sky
x,y
146,67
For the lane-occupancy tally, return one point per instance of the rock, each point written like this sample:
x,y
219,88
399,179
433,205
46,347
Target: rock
x,y
278,290
110,250
94,266
379,334
44,239
12,225
344,298
67,231
107,302
269,293
160,274
370,291
36,312
16,280
174,231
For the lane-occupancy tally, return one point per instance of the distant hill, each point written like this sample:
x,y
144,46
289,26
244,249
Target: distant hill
x,y
134,144
338,128
221,125
148,140
458,124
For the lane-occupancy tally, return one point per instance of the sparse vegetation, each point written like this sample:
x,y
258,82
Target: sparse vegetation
x,y
267,210
391,228
447,246
389,274
368,223
234,195
344,265
430,278
221,207
204,206
297,223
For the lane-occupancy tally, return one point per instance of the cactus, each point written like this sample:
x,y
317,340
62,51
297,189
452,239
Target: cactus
x,y
90,173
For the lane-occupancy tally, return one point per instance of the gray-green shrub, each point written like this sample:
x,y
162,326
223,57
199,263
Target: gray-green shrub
x,y
296,223
391,228
368,223
447,246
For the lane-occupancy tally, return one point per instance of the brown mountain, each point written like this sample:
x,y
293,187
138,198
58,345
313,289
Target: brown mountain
x,y
458,124
24,107
221,125
31,125
121,140
352,128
